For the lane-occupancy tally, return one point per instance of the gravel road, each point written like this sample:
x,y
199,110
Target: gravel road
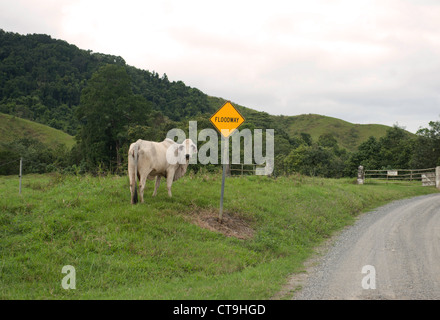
x,y
400,242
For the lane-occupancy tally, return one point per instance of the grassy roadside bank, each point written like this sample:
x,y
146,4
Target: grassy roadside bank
x,y
167,248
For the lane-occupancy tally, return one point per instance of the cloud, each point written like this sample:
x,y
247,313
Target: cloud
x,y
362,61
24,16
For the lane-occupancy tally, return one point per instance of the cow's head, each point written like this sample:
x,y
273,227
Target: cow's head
x,y
185,150
181,153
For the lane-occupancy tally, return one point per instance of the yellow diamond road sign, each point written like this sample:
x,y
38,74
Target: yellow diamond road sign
x,y
227,119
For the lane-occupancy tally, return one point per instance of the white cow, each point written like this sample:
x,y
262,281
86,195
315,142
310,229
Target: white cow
x,y
148,159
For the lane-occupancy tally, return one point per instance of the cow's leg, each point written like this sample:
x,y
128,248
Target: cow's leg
x,y
142,181
156,186
132,177
170,178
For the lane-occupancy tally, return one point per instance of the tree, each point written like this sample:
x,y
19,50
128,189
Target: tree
x,y
426,152
37,157
395,149
367,155
392,151
107,108
307,138
327,140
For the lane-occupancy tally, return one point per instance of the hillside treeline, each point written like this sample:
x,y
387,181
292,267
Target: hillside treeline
x,y
41,79
396,150
107,104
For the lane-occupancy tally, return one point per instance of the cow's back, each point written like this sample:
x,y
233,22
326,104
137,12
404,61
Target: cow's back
x,y
152,156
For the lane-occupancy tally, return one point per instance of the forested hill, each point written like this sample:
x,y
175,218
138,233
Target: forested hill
x,y
107,104
41,79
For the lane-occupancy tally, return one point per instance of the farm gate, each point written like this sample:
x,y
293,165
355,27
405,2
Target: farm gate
x,y
428,177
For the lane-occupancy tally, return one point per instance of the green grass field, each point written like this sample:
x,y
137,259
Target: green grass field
x,y
167,248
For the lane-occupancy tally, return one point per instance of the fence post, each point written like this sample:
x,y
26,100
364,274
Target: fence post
x,y
361,175
437,177
20,174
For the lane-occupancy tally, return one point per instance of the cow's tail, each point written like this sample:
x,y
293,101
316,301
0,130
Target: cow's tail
x,y
135,173
135,196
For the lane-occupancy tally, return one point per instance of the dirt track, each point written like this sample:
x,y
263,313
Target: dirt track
x,y
400,240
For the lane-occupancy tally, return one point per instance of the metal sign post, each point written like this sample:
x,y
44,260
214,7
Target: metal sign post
x,y
225,120
220,215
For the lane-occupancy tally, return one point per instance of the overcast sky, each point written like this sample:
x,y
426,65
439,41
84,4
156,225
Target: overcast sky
x,y
360,61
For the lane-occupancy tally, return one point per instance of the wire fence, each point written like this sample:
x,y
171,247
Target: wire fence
x,y
245,169
19,169
6,163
